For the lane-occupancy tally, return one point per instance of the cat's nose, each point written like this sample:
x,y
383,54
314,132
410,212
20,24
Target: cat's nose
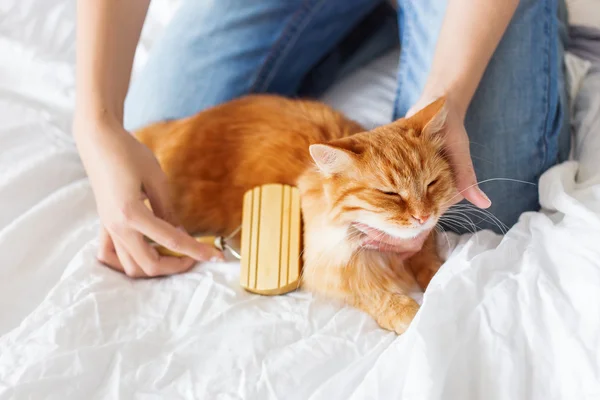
x,y
421,219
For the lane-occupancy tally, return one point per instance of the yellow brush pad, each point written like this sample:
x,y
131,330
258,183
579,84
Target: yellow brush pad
x,y
271,240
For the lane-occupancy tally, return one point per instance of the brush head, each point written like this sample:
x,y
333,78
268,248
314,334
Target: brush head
x,y
271,240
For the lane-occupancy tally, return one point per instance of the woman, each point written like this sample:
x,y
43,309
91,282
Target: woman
x,y
498,62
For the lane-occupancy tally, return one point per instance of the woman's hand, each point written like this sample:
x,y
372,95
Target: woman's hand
x,y
469,36
457,148
123,173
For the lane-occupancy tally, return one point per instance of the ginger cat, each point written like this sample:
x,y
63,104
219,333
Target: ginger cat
x,y
360,191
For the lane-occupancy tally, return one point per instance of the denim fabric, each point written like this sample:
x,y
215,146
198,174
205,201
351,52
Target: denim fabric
x,y
518,119
214,51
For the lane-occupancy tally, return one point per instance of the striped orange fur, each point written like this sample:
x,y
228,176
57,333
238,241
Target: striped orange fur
x,y
387,179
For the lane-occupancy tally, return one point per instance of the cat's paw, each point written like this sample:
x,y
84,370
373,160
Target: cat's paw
x,y
400,316
405,317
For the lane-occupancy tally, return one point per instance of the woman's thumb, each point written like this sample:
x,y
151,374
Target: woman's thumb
x,y
468,187
158,194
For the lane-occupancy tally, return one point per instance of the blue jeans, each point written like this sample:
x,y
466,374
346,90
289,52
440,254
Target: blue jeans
x,y
214,51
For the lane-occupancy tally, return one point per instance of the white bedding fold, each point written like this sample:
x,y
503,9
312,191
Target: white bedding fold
x,y
513,317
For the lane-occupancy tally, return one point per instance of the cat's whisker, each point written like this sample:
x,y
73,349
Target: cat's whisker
x,y
469,141
487,213
461,214
382,234
488,180
463,209
461,165
449,225
471,155
458,225
459,218
354,255
481,215
473,224
441,231
458,221
487,216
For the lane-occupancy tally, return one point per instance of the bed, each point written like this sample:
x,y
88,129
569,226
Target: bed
x,y
507,317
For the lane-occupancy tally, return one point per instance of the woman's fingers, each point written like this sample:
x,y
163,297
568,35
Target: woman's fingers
x,y
457,146
115,259
152,263
157,192
165,234
106,251
130,267
123,172
123,247
459,155
137,258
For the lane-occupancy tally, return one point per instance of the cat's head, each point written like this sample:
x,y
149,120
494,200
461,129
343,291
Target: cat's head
x,y
394,179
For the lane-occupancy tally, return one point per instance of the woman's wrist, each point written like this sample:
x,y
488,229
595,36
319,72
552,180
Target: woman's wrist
x,y
458,96
89,120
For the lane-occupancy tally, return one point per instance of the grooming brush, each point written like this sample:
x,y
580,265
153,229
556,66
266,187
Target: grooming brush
x,y
270,240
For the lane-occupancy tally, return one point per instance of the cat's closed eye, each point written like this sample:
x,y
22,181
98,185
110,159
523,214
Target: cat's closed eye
x,y
433,182
391,193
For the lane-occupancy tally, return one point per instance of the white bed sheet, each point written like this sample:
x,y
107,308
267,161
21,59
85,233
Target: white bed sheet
x,y
514,317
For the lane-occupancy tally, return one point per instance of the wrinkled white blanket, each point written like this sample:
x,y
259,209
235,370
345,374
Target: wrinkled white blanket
x,y
514,317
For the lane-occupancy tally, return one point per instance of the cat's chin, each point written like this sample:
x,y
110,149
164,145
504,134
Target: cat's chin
x,y
376,239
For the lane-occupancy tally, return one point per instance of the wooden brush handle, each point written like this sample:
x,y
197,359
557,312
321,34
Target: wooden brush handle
x,y
167,252
202,239
271,240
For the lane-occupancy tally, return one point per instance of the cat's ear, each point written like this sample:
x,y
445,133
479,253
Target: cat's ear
x,y
330,159
432,117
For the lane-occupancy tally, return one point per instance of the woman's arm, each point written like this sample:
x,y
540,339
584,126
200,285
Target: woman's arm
x,y
108,32
121,170
470,33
